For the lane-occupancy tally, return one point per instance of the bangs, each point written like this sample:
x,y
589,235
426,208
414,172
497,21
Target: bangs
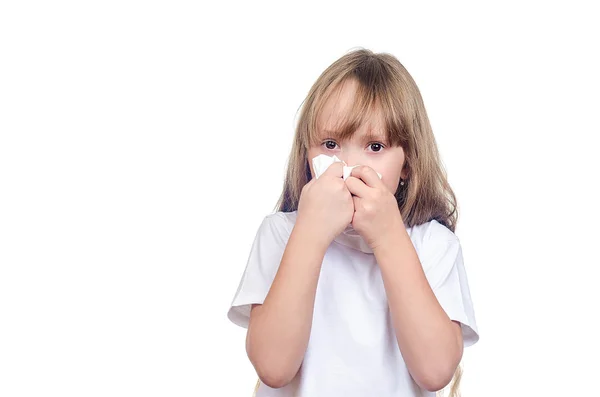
x,y
388,106
373,98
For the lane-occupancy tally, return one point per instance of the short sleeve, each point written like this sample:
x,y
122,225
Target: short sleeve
x,y
445,271
261,268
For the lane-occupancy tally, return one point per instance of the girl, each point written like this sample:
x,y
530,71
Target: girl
x,y
356,285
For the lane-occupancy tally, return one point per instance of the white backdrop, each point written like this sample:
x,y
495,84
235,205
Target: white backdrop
x,y
142,143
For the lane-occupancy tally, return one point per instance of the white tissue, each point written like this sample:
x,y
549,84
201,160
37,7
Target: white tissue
x,y
322,162
349,236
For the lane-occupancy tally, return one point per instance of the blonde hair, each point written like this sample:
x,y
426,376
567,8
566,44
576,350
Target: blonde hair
x,y
385,85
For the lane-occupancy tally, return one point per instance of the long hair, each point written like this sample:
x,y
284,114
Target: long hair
x,y
383,83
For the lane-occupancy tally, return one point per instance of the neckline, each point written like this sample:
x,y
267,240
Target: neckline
x,y
349,237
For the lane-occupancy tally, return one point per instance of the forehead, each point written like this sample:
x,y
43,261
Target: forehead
x,y
345,111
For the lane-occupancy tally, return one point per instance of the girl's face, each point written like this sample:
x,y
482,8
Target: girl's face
x,y
367,146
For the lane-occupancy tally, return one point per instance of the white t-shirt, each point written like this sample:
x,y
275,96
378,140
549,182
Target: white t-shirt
x,y
352,350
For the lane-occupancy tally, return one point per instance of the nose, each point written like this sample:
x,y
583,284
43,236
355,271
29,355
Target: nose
x,y
350,158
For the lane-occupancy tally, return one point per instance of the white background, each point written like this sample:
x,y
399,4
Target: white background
x,y
142,143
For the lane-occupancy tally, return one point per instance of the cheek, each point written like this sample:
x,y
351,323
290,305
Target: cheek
x,y
392,186
314,151
390,178
391,170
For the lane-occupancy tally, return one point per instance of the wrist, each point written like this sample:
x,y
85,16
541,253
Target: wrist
x,y
392,241
311,234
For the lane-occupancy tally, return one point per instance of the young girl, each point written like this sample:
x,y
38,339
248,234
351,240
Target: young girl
x,y
356,285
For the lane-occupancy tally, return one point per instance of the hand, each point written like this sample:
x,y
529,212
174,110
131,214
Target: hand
x,y
326,204
376,213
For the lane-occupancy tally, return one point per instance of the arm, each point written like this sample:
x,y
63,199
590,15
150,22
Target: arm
x,y
431,344
279,329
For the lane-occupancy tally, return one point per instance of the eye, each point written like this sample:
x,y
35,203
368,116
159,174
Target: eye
x,y
376,146
330,145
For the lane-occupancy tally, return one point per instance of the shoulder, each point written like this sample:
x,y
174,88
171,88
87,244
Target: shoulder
x,y
433,241
279,225
431,232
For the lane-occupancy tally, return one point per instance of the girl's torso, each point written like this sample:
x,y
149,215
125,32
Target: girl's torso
x,y
352,350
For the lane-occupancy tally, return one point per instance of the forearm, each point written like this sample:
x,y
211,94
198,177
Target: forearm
x,y
426,336
279,329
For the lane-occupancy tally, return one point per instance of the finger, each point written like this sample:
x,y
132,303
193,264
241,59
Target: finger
x,y
335,170
367,175
356,186
356,200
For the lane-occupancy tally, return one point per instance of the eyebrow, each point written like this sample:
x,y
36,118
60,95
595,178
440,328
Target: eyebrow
x,y
370,136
